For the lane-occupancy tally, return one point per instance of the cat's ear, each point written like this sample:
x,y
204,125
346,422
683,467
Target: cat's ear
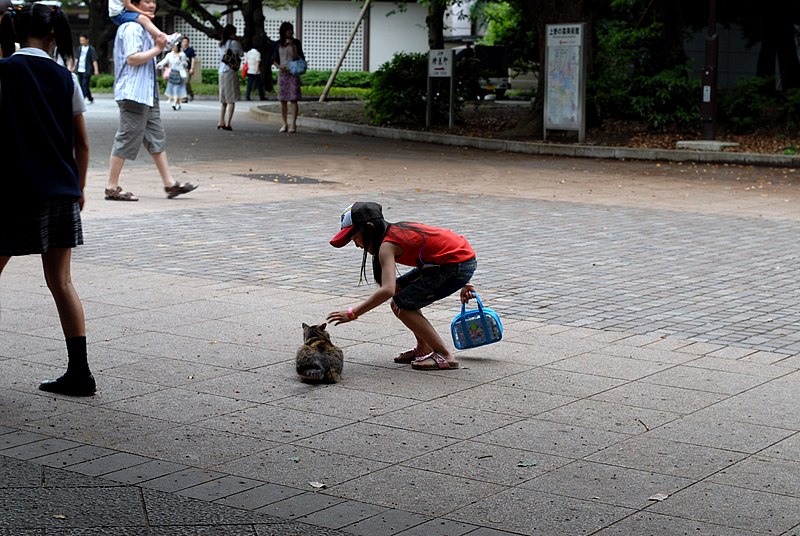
x,y
305,325
322,326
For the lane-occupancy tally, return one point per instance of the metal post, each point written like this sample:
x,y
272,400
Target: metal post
x,y
708,107
451,121
428,105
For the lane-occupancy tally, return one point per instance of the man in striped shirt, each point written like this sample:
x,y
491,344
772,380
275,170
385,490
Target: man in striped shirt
x,y
136,93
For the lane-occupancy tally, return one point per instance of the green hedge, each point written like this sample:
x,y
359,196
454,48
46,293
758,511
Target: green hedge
x,y
348,84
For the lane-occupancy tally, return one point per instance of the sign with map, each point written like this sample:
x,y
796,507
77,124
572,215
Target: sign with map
x,y
565,85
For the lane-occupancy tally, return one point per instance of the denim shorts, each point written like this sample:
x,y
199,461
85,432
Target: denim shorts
x,y
125,16
423,286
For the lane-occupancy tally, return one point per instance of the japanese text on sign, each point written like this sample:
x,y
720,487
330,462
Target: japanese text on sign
x,y
440,63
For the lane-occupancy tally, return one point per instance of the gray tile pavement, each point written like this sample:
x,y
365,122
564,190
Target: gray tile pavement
x,y
646,351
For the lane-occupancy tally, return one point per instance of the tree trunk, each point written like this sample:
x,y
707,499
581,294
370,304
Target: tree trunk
x,y
778,43
254,34
435,22
101,34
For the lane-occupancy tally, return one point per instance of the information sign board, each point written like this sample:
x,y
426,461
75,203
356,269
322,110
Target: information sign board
x,y
440,63
565,83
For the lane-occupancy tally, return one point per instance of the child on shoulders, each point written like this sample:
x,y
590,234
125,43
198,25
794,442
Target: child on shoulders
x,y
122,11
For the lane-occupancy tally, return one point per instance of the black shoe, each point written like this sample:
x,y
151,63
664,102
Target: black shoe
x,y
70,385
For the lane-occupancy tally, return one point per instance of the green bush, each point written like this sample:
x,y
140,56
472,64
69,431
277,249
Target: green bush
x,y
793,110
360,79
752,103
668,99
399,92
210,76
103,81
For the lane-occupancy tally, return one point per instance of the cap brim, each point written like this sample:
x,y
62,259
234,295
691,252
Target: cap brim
x,y
342,238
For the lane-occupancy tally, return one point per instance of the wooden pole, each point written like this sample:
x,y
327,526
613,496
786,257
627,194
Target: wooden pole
x,y
335,71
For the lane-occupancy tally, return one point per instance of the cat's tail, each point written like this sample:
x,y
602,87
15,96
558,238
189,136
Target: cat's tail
x,y
311,373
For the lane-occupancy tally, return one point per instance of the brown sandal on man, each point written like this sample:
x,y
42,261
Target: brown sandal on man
x,y
433,361
116,194
179,188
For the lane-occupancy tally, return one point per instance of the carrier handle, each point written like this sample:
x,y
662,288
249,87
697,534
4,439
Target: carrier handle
x,y
483,321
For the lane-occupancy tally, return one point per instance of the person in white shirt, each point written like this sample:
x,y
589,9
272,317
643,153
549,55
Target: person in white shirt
x,y
122,11
85,66
253,60
136,93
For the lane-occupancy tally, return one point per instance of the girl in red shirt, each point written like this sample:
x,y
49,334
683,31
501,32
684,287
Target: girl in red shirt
x,y
443,263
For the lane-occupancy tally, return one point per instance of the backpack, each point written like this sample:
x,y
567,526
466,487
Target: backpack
x,y
231,59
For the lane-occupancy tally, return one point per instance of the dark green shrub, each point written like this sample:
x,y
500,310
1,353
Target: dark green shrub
x,y
751,104
792,110
669,99
210,76
399,92
360,79
103,81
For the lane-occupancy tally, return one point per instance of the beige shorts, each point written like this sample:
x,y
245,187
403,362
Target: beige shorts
x,y
138,124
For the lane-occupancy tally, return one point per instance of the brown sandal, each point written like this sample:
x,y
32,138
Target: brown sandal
x,y
409,356
439,363
179,188
116,194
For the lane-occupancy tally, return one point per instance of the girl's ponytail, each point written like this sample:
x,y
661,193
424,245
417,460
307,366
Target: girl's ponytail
x,y
36,20
63,34
7,37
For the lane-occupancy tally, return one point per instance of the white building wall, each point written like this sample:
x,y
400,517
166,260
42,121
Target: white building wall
x,y
399,32
456,20
326,26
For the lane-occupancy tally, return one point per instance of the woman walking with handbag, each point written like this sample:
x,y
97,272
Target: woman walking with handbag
x,y
230,57
175,62
287,52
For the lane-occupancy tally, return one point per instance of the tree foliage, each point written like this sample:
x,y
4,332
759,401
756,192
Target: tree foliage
x,y
507,26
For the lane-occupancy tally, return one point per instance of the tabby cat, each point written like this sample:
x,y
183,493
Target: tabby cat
x,y
319,360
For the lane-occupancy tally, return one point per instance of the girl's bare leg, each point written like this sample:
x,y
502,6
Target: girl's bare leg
x,y
57,274
78,380
426,335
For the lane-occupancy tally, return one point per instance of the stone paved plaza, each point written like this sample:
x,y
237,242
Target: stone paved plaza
x,y
647,384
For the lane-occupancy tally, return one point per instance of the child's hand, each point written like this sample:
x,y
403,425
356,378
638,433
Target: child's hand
x,y
467,293
161,40
338,317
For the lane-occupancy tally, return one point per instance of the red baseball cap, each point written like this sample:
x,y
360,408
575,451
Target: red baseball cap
x,y
357,213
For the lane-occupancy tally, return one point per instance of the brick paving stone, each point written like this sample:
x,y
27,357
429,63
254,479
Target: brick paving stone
x,y
109,464
588,266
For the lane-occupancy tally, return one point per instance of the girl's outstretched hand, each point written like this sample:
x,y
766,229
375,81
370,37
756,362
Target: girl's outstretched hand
x,y
338,317
467,293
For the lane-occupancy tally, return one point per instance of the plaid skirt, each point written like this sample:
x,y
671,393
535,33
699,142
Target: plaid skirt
x,y
29,230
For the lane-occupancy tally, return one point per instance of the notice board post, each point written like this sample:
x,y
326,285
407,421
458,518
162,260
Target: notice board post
x,y
440,65
565,85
